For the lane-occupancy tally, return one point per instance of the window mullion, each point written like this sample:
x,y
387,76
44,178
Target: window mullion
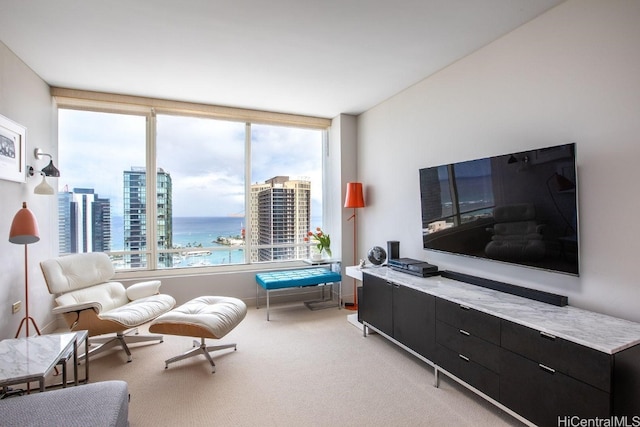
x,y
151,191
247,193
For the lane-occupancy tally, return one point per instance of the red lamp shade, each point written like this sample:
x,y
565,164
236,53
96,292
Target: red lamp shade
x,y
24,228
354,197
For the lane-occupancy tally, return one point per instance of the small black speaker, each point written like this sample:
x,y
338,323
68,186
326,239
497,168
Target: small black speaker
x,y
393,249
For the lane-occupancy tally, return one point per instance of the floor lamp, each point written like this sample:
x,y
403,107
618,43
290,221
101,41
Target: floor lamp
x,y
354,200
24,231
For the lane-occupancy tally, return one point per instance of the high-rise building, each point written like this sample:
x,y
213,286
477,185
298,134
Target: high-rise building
x,y
84,221
164,218
135,216
101,224
256,189
280,215
66,223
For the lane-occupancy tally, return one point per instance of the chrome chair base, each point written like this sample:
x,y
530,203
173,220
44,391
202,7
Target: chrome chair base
x,y
120,339
200,348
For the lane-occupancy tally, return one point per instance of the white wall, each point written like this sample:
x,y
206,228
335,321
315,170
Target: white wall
x,y
343,143
571,75
25,99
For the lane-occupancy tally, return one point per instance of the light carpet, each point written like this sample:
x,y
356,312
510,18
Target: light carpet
x,y
302,368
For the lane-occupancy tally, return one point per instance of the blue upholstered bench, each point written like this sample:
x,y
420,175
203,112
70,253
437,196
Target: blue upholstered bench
x,y
283,279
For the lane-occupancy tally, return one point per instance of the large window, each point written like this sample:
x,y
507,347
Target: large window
x,y
204,162
103,159
286,190
223,192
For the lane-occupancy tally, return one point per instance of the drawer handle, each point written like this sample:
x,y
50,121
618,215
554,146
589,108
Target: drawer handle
x,y
464,307
547,336
547,369
465,358
465,333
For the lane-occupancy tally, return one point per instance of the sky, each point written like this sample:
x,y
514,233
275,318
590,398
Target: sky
x,y
204,157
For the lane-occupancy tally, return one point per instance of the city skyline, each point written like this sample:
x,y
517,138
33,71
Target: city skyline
x,y
280,215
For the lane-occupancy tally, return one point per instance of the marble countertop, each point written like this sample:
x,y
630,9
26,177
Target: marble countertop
x,y
598,331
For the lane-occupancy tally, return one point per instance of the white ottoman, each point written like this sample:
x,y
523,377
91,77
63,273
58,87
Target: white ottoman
x,y
203,317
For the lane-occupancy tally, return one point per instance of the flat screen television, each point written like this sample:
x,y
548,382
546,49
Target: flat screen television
x,y
519,208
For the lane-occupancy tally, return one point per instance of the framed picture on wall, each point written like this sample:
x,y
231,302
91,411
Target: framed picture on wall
x,y
12,150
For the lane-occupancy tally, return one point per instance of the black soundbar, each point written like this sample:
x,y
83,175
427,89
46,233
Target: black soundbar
x,y
546,297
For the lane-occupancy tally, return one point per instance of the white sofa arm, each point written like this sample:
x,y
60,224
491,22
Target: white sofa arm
x,y
70,308
143,289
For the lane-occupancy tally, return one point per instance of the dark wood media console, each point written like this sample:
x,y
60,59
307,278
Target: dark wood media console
x,y
541,363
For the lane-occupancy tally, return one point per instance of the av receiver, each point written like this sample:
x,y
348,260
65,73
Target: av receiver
x,y
413,266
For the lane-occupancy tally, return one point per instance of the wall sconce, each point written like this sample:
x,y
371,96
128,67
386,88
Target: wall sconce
x,y
50,170
43,188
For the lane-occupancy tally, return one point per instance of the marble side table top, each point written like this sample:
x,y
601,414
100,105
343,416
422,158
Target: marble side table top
x,y
32,358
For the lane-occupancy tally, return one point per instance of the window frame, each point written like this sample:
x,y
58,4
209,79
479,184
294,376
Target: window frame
x,y
148,107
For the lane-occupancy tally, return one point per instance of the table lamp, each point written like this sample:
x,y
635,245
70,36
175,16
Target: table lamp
x,y
24,231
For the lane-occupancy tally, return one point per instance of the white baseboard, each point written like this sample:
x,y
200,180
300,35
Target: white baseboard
x,y
353,319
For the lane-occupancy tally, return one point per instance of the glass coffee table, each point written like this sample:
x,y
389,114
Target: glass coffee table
x,y
29,359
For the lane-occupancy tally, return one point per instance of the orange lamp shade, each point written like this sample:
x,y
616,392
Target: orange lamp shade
x,y
354,198
24,228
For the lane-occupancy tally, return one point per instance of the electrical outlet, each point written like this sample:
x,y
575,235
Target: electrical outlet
x,y
16,306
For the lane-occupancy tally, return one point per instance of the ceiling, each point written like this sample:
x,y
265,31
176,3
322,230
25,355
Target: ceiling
x,y
318,58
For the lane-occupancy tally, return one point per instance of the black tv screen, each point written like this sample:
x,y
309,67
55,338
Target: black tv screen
x,y
518,208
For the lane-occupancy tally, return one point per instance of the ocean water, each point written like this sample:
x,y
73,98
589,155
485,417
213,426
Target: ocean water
x,y
192,233
197,231
187,231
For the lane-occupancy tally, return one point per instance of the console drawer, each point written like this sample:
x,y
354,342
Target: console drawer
x,y
469,371
462,342
475,322
548,398
583,363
